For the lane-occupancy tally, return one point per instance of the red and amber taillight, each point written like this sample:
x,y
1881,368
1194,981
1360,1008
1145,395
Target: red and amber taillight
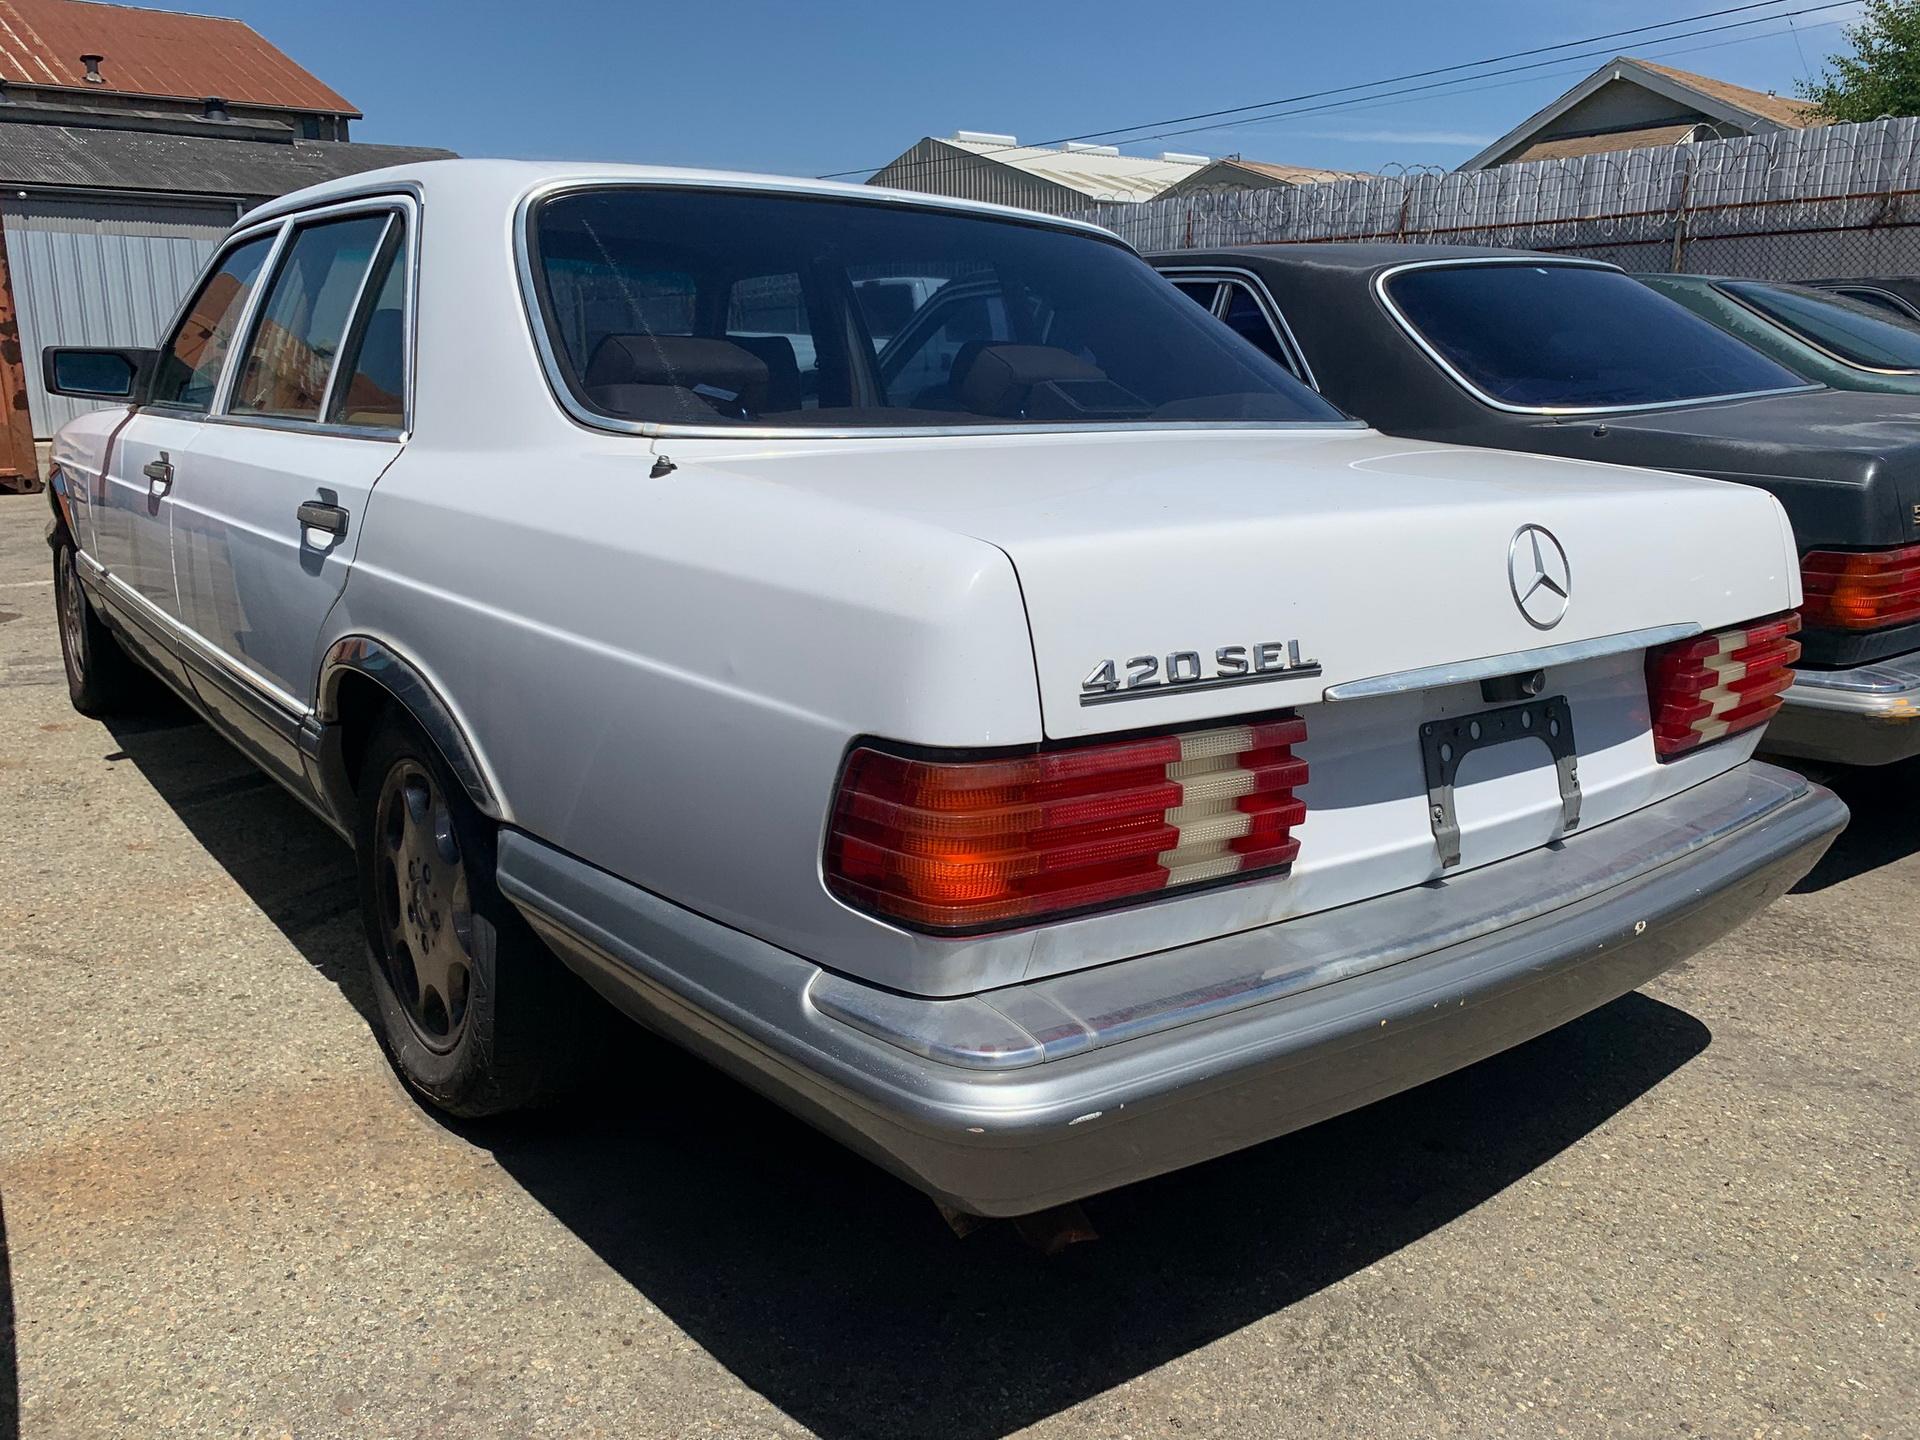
x,y
962,845
1861,589
1719,684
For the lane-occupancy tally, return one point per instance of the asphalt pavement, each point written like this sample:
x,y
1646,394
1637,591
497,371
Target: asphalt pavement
x,y
1695,1212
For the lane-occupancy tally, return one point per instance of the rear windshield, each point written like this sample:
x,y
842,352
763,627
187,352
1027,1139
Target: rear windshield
x,y
1859,333
693,307
1574,337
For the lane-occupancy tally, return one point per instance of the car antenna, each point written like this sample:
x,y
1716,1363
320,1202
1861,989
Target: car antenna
x,y
662,466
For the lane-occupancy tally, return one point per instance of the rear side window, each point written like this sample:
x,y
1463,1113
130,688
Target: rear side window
x,y
1880,300
1245,317
1553,337
1859,333
296,339
372,388
189,367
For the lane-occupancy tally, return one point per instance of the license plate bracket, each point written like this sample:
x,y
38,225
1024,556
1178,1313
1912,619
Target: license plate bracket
x,y
1445,743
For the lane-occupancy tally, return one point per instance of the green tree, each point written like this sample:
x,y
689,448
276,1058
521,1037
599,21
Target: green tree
x,y
1882,75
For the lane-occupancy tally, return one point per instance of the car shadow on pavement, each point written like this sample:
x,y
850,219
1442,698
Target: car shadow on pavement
x,y
297,871
9,1342
1884,801
839,1294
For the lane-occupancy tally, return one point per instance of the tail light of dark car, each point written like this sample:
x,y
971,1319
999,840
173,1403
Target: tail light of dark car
x,y
1719,684
1861,589
963,845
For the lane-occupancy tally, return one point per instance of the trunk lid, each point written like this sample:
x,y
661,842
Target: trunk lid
x,y
1365,555
1376,557
1845,464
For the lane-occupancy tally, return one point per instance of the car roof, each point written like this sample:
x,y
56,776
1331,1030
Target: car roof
x,y
506,182
1358,256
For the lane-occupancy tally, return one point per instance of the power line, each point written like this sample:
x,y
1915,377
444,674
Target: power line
x,y
1370,102
1509,70
1267,105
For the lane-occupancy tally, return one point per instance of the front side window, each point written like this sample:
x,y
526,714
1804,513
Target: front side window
x,y
1574,337
188,370
289,359
685,306
1860,334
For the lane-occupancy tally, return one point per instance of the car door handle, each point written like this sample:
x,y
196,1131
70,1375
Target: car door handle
x,y
159,474
318,515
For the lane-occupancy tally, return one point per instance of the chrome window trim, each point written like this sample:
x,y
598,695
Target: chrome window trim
x,y
353,318
1489,667
234,241
407,207
593,420
1231,275
1805,339
249,318
1412,332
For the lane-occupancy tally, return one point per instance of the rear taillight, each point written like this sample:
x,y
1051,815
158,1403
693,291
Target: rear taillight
x,y
960,845
1719,684
1861,589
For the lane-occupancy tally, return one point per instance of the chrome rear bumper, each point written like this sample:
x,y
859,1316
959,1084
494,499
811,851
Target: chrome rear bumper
x,y
1869,715
1025,1097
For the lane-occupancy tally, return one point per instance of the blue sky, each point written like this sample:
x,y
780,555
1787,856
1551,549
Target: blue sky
x,y
813,88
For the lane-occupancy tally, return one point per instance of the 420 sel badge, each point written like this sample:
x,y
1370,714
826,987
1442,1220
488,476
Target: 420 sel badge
x,y
1184,670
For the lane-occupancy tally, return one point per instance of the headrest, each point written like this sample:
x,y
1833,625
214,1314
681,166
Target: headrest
x,y
731,378
996,379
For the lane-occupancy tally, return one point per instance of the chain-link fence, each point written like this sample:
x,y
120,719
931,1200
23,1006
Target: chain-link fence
x,y
1834,200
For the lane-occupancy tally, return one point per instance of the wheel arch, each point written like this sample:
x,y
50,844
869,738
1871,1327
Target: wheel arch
x,y
359,678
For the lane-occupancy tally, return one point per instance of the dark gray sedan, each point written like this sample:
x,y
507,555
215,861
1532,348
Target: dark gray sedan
x,y
1562,356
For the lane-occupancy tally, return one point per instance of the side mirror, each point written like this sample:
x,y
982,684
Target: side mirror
x,y
85,373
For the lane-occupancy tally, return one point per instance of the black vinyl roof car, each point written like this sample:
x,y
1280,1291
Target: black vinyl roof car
x,y
1559,356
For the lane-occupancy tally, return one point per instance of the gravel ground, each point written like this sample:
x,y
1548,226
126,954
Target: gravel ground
x,y
1693,1213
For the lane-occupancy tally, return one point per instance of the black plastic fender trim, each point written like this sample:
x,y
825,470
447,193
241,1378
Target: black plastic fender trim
x,y
401,679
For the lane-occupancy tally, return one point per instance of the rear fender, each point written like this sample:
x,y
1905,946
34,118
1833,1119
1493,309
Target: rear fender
x,y
406,686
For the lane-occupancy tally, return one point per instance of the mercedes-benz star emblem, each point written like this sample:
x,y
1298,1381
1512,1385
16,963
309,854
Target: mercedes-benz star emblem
x,y
1537,571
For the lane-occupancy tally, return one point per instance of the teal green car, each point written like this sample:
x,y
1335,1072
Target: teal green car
x,y
1838,341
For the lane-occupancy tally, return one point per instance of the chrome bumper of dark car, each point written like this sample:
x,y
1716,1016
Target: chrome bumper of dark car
x,y
1869,715
1029,1096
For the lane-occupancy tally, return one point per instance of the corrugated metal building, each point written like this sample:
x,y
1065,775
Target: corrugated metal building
x,y
974,165
122,164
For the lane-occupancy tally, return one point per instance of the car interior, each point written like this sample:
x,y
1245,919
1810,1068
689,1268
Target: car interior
x,y
771,321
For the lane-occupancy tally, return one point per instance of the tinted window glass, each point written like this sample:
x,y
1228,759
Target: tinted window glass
x,y
1571,336
1201,292
1013,323
286,365
374,362
1250,322
1859,334
189,366
1880,300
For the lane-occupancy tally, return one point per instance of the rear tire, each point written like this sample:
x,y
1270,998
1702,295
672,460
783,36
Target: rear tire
x,y
479,1016
102,679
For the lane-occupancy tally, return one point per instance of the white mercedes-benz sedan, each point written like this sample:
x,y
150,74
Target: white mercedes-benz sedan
x,y
907,652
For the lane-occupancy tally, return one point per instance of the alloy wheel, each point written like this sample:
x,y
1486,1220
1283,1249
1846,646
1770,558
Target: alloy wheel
x,y
73,617
426,917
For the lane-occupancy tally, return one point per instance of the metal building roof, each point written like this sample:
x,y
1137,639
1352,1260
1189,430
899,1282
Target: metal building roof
x,y
154,52
71,157
1098,172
